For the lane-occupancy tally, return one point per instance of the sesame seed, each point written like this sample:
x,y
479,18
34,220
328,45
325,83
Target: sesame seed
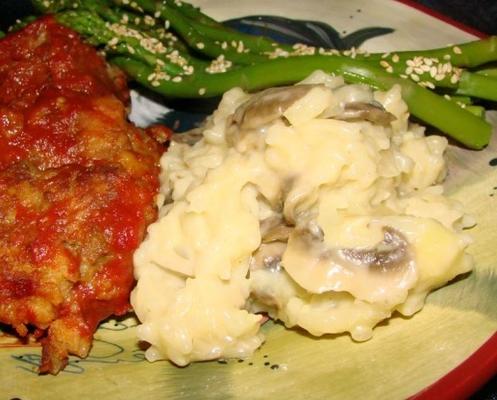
x,y
300,49
176,58
219,65
328,52
439,77
149,20
157,14
385,55
224,45
447,57
131,49
201,91
414,77
395,58
454,79
123,30
155,83
188,69
384,64
447,97
177,79
278,52
200,45
427,84
153,45
457,50
389,69
240,47
161,75
167,24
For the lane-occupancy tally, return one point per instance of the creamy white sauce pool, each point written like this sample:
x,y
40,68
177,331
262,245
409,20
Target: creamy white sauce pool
x,y
319,204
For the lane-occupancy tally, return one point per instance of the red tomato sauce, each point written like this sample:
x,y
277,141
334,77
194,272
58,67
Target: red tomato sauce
x,y
77,189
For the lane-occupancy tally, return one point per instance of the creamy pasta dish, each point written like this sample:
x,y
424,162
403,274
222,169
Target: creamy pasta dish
x,y
319,204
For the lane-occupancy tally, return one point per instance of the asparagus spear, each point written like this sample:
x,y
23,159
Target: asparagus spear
x,y
124,40
471,54
214,31
429,107
476,85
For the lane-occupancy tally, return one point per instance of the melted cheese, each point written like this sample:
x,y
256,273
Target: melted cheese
x,y
366,228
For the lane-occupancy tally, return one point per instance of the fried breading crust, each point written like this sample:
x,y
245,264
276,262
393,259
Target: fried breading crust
x,y
77,189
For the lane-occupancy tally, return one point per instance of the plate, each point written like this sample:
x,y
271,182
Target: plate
x,y
406,357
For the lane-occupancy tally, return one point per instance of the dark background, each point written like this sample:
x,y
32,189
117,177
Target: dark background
x,y
478,14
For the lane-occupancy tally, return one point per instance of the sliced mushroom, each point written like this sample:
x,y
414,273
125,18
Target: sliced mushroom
x,y
383,273
274,229
268,256
372,112
274,235
268,105
390,254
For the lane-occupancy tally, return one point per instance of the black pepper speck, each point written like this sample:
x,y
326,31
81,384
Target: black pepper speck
x,y
267,363
493,162
275,366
